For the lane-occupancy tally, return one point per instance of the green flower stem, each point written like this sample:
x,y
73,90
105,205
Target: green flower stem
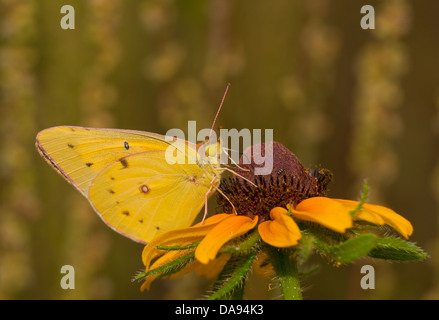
x,y
286,270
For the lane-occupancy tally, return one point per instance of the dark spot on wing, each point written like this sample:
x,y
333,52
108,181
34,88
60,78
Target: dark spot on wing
x,y
126,213
141,220
126,145
124,162
72,129
144,188
111,191
192,178
71,146
158,228
89,164
111,178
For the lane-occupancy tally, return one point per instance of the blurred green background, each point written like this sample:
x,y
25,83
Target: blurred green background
x,y
363,103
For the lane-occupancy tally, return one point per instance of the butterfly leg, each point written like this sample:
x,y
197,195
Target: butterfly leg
x,y
212,185
222,193
206,196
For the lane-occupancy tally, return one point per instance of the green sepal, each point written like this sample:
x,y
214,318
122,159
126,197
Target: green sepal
x,y
170,267
230,282
243,245
305,247
348,250
170,248
392,248
174,265
362,200
139,276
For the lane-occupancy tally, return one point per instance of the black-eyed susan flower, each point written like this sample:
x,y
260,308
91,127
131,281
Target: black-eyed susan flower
x,y
279,221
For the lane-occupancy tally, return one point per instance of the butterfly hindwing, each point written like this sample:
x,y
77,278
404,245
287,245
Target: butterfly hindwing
x,y
141,195
126,177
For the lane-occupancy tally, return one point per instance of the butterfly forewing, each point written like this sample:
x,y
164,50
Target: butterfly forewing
x,y
79,154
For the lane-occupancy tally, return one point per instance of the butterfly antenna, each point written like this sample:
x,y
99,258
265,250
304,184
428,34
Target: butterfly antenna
x,y
233,161
242,177
219,109
234,173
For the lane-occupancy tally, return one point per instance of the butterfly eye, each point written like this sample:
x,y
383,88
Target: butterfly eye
x,y
211,151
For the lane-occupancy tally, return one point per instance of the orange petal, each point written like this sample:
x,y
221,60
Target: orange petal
x,y
363,213
213,268
281,231
399,223
386,215
324,211
180,237
212,220
229,228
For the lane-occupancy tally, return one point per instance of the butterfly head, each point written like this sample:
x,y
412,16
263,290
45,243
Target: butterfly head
x,y
210,153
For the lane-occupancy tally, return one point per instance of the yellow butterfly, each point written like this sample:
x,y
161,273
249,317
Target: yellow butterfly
x,y
127,179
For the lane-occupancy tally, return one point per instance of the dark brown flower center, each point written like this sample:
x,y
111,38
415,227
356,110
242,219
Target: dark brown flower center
x,y
288,183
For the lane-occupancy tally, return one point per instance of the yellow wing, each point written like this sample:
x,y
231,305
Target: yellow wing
x,y
141,195
156,195
79,154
